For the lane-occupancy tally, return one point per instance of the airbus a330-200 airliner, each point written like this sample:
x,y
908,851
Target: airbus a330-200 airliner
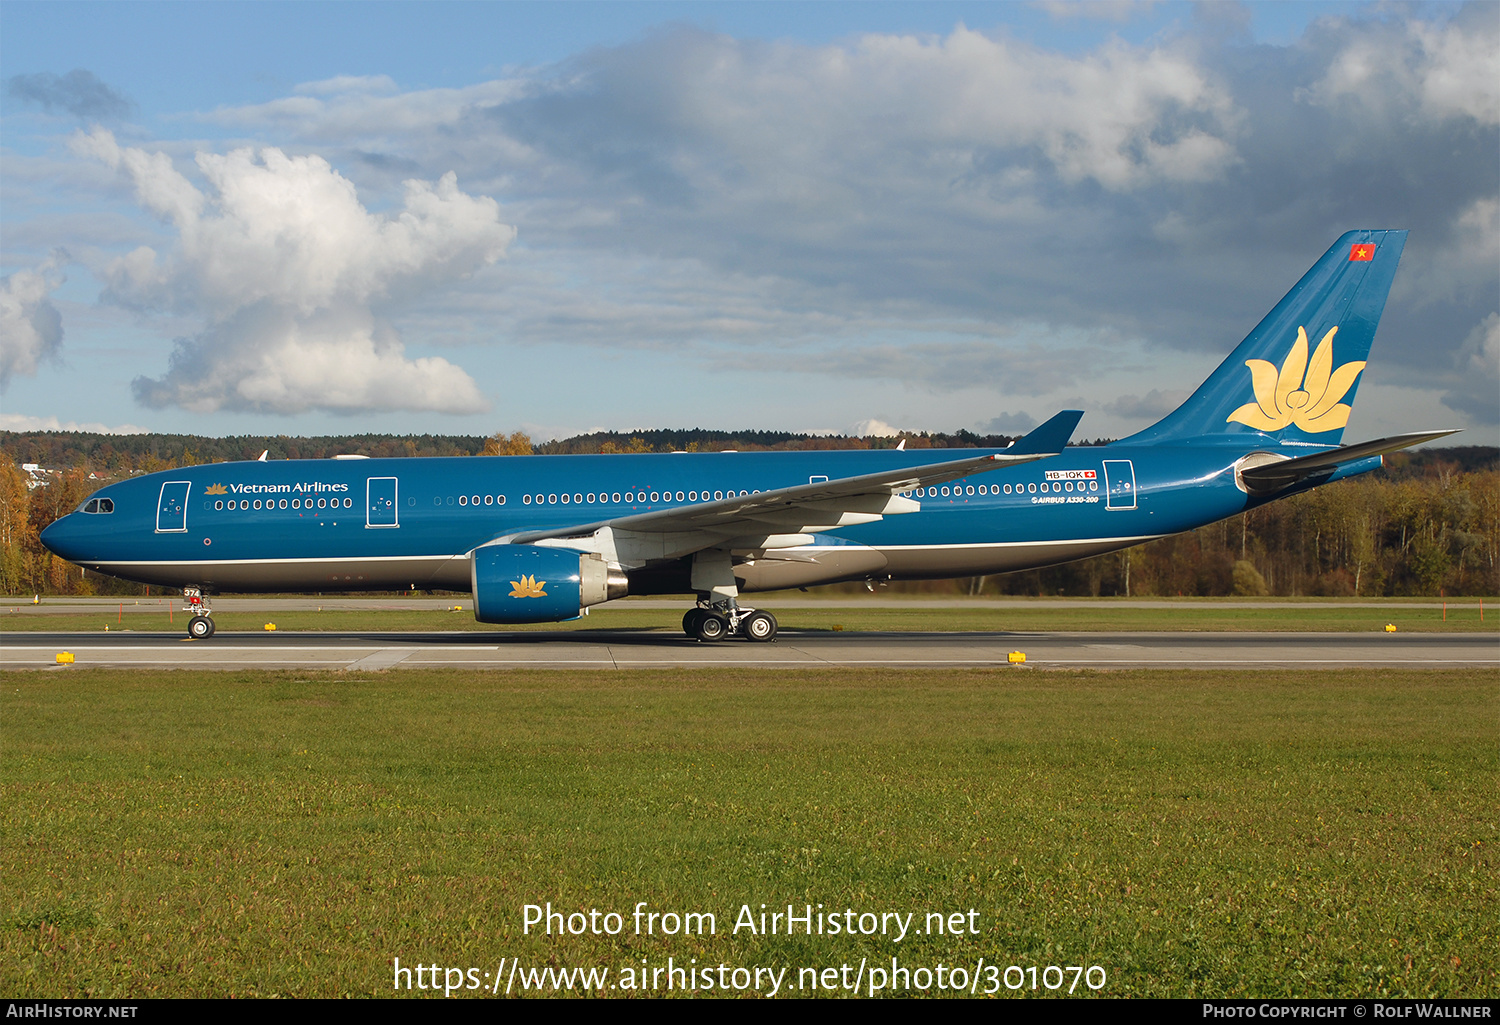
x,y
542,538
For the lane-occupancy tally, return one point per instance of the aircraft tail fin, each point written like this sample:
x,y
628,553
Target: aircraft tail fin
x,y
1294,377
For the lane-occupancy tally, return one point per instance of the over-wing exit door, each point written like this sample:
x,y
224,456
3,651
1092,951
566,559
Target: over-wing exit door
x,y
380,502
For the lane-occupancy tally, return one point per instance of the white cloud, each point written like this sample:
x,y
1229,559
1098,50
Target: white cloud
x,y
713,107
1008,423
1478,373
267,358
1123,116
968,215
30,327
22,422
875,429
1437,71
1102,10
340,109
348,84
285,263
1149,407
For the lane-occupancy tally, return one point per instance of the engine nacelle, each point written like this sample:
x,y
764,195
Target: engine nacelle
x,y
528,584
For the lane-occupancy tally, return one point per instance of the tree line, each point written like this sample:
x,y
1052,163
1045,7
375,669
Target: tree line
x,y
1425,524
147,453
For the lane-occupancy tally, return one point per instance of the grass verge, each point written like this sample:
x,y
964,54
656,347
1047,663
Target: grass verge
x,y
1193,833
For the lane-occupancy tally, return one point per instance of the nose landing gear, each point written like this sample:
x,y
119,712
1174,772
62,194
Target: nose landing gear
x,y
201,626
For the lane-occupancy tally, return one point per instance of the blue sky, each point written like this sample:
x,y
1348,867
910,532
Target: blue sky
x,y
794,216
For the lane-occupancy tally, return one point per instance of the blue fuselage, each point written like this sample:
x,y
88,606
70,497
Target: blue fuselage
x,y
349,524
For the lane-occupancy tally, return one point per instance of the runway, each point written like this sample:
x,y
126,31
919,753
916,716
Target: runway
x,y
306,603
643,649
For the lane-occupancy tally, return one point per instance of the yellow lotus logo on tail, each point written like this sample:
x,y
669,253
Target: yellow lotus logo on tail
x,y
1301,393
216,489
528,587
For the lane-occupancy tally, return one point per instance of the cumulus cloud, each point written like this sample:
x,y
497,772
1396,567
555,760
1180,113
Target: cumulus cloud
x,y
285,263
944,214
1151,406
79,92
22,422
1103,10
1163,189
945,365
31,330
1478,366
711,108
875,429
1419,68
1008,423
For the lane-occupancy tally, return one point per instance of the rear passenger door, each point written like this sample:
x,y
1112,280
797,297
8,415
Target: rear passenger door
x,y
1119,478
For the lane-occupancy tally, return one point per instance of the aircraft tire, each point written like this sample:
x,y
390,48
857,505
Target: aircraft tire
x,y
711,627
200,628
690,622
761,627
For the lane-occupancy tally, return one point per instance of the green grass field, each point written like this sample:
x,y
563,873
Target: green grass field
x,y
1084,616
1194,834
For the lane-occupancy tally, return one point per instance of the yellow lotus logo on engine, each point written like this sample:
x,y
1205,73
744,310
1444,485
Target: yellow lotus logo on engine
x,y
216,489
528,587
1301,392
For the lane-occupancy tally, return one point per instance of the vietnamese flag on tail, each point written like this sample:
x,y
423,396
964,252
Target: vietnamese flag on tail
x,y
1362,251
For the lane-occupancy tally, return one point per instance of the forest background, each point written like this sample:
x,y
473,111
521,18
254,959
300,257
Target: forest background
x,y
1427,524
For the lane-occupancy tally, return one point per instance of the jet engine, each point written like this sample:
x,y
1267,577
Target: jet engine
x,y
531,584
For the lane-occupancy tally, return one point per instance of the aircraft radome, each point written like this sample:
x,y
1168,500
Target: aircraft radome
x,y
541,538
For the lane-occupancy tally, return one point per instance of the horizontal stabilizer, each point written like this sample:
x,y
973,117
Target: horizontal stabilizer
x,y
1051,437
1272,477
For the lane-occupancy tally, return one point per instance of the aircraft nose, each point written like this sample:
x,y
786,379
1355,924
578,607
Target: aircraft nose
x,y
60,537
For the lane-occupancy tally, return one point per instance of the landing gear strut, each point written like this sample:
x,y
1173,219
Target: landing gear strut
x,y
201,626
716,620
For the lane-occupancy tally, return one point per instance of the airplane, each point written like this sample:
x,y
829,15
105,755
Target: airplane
x,y
543,538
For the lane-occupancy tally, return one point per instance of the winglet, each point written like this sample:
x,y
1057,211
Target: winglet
x,y
1051,437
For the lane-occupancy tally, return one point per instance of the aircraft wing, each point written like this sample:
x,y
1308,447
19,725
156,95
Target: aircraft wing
x,y
1269,477
807,508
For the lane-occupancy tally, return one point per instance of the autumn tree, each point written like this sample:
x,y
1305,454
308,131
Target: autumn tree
x,y
16,539
515,444
637,446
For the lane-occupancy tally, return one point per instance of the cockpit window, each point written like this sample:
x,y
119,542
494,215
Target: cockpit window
x,y
99,505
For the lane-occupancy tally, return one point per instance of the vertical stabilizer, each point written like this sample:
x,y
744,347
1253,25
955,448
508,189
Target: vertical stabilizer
x,y
1294,377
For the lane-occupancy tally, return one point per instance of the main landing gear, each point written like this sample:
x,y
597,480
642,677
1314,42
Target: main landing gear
x,y
716,620
718,614
201,626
